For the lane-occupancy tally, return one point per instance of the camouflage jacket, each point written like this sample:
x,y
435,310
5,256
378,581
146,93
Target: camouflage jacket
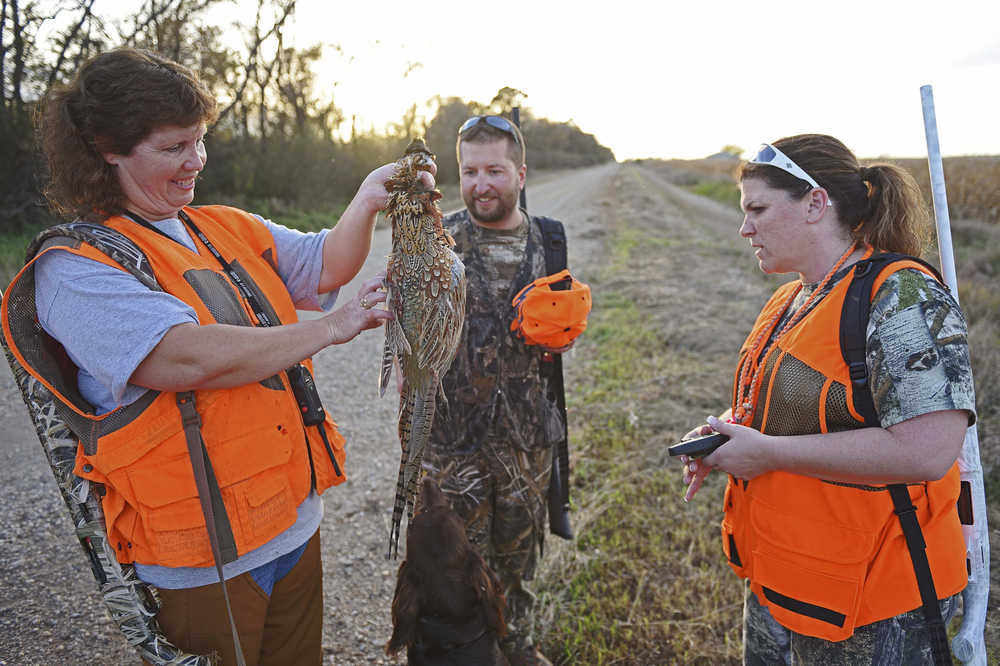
x,y
494,387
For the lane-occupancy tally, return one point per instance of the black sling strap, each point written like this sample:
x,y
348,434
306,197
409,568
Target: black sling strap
x,y
853,330
554,240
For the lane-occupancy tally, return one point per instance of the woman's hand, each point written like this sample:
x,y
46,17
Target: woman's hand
x,y
347,245
746,455
358,314
696,469
372,195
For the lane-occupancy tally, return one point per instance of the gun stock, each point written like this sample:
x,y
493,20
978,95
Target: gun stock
x,y
559,499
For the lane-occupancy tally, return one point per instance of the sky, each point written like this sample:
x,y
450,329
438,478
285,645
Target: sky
x,y
652,78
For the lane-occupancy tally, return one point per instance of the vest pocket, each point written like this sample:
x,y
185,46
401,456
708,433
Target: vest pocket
x,y
806,599
731,550
810,574
733,539
266,507
174,527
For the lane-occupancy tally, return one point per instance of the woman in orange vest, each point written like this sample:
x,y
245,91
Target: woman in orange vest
x,y
193,358
809,521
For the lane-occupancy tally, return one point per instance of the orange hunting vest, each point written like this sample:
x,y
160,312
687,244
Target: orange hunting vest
x,y
824,556
264,459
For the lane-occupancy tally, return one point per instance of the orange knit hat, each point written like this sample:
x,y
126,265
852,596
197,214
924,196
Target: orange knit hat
x,y
551,317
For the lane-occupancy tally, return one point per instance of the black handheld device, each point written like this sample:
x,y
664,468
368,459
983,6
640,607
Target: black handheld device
x,y
306,394
304,389
699,446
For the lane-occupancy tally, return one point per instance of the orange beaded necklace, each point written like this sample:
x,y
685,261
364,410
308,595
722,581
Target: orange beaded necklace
x,y
752,365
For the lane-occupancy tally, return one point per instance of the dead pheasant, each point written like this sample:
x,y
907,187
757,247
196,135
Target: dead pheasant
x,y
425,281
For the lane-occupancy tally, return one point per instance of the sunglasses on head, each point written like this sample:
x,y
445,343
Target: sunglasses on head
x,y
771,156
498,122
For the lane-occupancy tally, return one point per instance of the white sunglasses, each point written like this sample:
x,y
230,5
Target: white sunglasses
x,y
771,156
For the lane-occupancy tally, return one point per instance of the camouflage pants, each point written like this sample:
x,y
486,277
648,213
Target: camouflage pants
x,y
896,641
501,493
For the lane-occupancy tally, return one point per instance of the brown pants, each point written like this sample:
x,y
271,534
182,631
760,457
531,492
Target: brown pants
x,y
285,628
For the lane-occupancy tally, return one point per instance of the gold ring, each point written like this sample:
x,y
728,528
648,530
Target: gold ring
x,y
364,302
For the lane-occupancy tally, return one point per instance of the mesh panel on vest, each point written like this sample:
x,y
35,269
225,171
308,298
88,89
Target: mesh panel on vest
x,y
758,412
796,391
838,417
41,350
218,296
50,360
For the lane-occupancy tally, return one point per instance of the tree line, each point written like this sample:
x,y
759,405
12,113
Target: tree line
x,y
276,140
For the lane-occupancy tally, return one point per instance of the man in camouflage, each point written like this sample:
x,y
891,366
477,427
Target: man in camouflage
x,y
491,445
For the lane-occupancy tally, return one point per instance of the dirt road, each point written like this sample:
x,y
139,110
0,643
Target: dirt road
x,y
50,612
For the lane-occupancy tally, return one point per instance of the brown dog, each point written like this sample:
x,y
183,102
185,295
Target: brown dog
x,y
448,607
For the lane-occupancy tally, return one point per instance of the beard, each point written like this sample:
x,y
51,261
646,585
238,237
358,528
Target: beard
x,y
502,206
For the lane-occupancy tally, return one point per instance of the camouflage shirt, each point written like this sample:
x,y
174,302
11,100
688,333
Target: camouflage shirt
x,y
917,347
494,386
918,350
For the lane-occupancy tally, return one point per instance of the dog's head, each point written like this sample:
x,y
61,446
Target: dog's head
x,y
442,574
436,537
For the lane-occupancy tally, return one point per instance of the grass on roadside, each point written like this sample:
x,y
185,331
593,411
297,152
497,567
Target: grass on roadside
x,y
720,190
644,582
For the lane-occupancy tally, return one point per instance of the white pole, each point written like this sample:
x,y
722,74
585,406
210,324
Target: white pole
x,y
969,644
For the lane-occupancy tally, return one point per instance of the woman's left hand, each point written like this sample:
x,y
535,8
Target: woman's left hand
x,y
350,240
359,314
745,455
695,471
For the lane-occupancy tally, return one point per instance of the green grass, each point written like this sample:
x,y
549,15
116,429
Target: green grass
x,y
720,190
12,249
645,581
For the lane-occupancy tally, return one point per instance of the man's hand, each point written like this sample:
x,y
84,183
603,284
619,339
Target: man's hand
x,y
558,350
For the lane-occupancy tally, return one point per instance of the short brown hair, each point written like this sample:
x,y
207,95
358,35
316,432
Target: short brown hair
x,y
879,204
114,102
486,133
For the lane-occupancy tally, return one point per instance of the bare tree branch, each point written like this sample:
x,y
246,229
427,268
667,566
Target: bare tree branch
x,y
68,40
287,8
